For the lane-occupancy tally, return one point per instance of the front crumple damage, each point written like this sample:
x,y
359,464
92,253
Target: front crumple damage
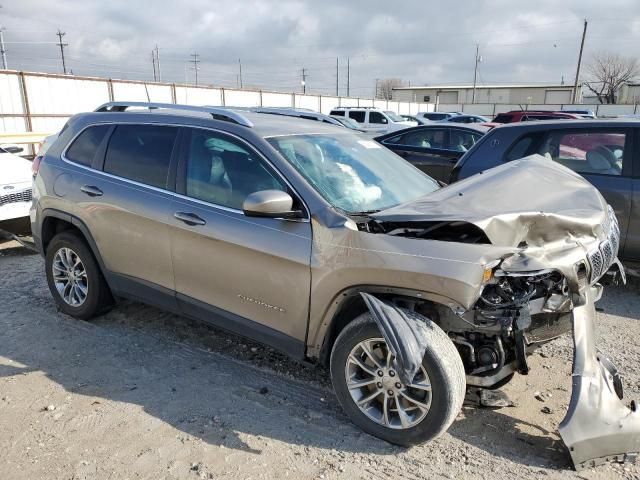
x,y
559,246
550,216
598,427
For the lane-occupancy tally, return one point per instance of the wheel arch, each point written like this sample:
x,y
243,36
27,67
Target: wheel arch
x,y
348,305
55,221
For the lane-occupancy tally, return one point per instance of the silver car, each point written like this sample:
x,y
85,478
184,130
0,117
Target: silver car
x,y
322,243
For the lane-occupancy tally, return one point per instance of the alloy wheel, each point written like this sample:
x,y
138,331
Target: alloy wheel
x,y
70,277
378,392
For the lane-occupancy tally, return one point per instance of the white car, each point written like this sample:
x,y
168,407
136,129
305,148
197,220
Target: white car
x,y
373,120
15,193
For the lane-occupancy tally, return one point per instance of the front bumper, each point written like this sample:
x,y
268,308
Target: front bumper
x,y
13,210
598,426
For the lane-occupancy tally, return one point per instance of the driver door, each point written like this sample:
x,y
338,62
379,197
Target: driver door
x,y
245,274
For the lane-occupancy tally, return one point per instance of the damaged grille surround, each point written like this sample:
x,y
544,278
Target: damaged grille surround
x,y
602,257
23,196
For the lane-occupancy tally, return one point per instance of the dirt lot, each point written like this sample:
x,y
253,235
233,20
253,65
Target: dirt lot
x,y
139,393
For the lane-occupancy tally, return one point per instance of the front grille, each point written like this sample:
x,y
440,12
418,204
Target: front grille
x,y
602,257
595,259
24,196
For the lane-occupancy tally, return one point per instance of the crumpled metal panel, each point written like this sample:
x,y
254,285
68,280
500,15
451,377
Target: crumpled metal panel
x,y
531,200
403,335
598,426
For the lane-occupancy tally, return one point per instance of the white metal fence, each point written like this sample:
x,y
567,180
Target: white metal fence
x,y
42,102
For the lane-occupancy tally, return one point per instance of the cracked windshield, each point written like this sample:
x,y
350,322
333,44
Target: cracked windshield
x,y
354,173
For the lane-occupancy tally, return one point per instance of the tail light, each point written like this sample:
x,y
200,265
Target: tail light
x,y
35,166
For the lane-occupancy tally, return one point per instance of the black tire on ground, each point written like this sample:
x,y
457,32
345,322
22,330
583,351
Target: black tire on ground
x,y
442,363
99,297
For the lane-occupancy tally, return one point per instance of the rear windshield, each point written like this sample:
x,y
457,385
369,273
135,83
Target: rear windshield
x,y
435,116
502,118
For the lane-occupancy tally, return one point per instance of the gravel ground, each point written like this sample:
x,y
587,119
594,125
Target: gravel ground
x,y
139,393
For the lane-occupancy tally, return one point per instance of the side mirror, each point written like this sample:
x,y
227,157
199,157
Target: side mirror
x,y
270,204
13,149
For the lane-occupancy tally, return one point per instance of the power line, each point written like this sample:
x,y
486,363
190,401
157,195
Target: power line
x,y
62,45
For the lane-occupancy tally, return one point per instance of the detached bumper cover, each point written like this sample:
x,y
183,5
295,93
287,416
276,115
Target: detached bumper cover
x,y
598,427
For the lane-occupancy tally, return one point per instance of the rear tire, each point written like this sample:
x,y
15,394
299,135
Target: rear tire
x,y
74,277
442,368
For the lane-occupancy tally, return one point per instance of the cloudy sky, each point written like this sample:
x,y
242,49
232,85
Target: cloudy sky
x,y
419,41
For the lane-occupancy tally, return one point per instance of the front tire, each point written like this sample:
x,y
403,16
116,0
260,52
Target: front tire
x,y
74,278
372,395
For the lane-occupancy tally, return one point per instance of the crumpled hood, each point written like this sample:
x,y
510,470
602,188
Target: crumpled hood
x,y
532,200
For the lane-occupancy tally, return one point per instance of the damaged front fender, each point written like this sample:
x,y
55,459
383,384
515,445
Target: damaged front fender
x,y
598,427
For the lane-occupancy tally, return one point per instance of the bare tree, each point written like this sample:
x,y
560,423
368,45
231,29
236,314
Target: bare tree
x,y
385,87
608,72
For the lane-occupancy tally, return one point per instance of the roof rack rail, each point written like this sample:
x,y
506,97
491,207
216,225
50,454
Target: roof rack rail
x,y
355,106
296,112
218,113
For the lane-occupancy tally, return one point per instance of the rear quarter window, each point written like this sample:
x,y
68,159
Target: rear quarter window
x,y
338,113
84,147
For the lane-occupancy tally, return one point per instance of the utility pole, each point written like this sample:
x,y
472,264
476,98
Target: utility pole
x,y
304,81
195,62
62,45
375,95
153,60
348,76
337,77
575,84
475,73
2,50
240,76
158,62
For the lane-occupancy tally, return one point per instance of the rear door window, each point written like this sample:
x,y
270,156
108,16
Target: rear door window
x,y
587,151
377,117
462,140
141,153
425,138
84,148
357,115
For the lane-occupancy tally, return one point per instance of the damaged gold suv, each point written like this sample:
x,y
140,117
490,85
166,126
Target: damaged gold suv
x,y
320,242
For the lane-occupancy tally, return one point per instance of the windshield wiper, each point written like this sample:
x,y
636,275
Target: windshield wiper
x,y
367,212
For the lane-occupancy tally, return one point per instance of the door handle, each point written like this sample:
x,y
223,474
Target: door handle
x,y
189,218
91,190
